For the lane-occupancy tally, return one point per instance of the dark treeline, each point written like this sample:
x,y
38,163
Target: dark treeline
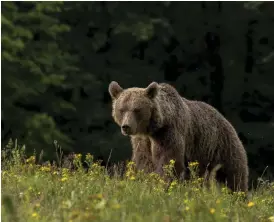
x,y
59,57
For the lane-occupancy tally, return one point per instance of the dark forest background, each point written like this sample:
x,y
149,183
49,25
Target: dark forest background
x,y
59,57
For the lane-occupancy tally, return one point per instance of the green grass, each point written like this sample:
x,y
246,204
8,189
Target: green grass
x,y
32,192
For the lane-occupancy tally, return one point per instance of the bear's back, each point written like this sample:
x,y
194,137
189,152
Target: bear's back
x,y
212,133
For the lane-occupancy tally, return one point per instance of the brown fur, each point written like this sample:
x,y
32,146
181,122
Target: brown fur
x,y
163,126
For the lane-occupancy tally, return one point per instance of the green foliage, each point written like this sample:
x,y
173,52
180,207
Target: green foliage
x,y
33,65
46,192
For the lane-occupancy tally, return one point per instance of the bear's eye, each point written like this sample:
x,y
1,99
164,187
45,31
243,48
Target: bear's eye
x,y
137,110
122,110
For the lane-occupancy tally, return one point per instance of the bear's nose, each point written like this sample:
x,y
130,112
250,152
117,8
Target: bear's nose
x,y
126,128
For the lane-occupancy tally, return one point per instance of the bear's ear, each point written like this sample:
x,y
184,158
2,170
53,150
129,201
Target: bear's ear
x,y
152,90
114,89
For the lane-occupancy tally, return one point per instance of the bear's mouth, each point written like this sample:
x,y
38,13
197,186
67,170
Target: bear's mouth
x,y
126,132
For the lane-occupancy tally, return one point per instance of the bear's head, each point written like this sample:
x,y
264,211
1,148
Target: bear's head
x,y
135,110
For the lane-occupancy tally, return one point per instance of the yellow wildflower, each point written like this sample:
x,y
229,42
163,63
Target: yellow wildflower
x,y
130,163
187,208
132,178
250,204
35,215
101,204
224,190
45,169
65,170
78,156
240,194
212,210
172,162
193,164
64,179
31,159
173,183
89,158
271,219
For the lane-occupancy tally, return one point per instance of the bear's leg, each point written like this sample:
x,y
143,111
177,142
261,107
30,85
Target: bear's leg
x,y
164,159
141,153
142,162
162,154
237,179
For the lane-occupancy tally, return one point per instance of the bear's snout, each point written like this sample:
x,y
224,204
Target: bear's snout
x,y
129,125
126,130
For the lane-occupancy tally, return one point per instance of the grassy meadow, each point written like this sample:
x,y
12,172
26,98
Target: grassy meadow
x,y
52,192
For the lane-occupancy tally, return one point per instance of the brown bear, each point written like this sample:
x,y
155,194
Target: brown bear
x,y
163,125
